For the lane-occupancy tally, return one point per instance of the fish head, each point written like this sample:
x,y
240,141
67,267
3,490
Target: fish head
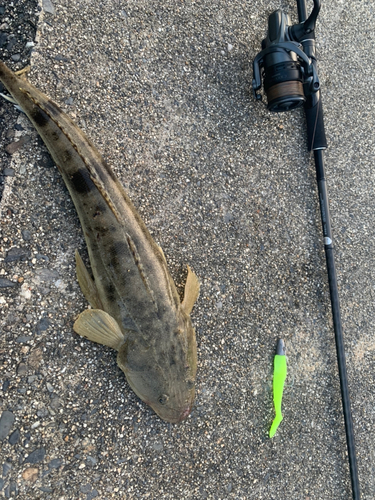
x,y
163,375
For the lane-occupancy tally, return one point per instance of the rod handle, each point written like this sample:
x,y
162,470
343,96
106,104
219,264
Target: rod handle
x,y
316,136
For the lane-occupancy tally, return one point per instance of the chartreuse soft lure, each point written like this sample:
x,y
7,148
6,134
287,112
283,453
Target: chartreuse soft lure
x,y
279,376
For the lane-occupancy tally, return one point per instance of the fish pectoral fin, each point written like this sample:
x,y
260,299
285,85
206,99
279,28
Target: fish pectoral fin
x,y
87,284
191,291
98,326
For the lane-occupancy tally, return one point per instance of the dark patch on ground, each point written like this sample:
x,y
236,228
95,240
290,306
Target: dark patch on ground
x,y
18,20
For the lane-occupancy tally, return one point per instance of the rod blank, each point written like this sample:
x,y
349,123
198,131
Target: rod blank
x,y
336,316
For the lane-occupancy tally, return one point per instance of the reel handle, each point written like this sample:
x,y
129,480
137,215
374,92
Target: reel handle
x,y
302,13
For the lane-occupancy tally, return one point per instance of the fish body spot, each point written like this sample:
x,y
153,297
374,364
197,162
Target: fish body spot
x,y
99,210
82,182
111,292
40,117
53,109
67,155
117,249
101,230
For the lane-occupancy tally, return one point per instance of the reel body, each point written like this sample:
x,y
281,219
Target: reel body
x,y
288,74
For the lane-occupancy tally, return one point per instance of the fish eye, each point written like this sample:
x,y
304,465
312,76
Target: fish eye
x,y
163,399
190,383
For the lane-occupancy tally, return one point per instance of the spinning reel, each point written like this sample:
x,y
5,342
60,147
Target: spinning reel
x,y
286,63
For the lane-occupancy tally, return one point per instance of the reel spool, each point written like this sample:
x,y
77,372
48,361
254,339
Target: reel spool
x,y
283,87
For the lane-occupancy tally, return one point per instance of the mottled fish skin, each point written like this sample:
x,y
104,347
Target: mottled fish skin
x,y
158,354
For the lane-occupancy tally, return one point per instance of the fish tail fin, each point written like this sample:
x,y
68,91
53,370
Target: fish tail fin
x,y
13,101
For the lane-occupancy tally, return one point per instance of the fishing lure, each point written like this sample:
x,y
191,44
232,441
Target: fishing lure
x,y
279,376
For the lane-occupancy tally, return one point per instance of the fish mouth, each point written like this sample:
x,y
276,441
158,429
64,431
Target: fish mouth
x,y
182,415
185,413
176,416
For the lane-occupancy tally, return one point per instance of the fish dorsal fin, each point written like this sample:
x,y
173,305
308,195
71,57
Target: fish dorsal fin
x,y
22,73
162,254
191,291
98,326
87,284
141,270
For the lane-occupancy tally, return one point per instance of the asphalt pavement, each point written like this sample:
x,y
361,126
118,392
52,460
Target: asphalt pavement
x,y
163,88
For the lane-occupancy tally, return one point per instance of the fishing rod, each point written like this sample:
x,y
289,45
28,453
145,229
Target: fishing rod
x,y
287,68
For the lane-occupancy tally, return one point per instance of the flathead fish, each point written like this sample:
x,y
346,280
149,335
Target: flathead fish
x,y
135,305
